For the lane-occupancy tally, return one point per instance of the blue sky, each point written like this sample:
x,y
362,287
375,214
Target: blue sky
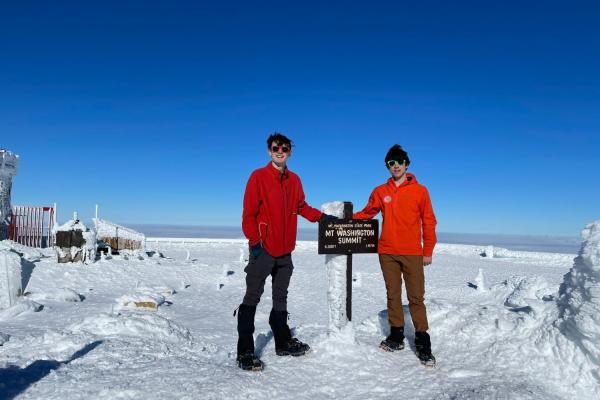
x,y
159,111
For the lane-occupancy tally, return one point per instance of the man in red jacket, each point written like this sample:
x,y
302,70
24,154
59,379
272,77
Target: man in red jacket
x,y
272,202
405,247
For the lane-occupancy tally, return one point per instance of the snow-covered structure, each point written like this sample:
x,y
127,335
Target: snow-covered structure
x,y
9,164
75,242
579,301
10,278
119,237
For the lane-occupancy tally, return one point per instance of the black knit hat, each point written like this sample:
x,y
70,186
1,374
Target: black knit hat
x,y
396,152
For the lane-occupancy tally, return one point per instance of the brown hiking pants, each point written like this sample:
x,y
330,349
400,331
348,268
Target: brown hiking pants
x,y
393,267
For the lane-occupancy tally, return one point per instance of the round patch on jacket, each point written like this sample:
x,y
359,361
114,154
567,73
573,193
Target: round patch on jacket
x,y
387,199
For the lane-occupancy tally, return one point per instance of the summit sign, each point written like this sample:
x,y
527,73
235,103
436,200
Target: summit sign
x,y
348,236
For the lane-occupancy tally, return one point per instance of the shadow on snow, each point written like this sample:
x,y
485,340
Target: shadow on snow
x,y
17,380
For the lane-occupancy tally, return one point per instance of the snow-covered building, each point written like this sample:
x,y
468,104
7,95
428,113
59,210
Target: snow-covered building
x,y
75,242
119,237
9,164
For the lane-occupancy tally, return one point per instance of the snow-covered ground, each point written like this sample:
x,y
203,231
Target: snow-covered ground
x,y
493,325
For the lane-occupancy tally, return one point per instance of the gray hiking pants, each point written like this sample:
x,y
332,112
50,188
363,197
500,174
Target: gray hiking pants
x,y
257,271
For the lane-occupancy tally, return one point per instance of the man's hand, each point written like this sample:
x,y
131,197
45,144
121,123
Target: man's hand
x,y
256,250
427,260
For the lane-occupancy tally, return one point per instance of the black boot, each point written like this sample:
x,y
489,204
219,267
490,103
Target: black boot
x,y
395,340
285,345
246,359
423,347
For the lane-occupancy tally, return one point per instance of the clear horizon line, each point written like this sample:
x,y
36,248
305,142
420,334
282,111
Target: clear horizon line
x,y
315,228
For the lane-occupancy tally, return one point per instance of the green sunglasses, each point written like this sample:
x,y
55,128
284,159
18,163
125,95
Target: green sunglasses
x,y
392,163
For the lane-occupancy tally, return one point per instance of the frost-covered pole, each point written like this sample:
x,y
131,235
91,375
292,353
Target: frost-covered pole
x,y
480,281
53,224
96,219
339,275
348,209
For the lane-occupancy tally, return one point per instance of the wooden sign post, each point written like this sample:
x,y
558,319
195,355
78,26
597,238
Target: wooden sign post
x,y
345,237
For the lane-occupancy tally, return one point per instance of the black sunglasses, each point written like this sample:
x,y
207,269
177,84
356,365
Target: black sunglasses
x,y
284,149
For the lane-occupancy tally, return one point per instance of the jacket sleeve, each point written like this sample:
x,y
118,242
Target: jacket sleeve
x,y
429,222
250,213
311,214
372,208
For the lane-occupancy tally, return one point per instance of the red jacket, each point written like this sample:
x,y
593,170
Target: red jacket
x,y
408,217
272,202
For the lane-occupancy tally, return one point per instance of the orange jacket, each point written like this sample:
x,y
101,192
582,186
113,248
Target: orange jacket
x,y
408,217
272,203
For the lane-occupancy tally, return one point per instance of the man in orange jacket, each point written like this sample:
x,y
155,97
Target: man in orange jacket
x,y
272,202
405,247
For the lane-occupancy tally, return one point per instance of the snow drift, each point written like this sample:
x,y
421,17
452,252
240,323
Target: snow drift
x,y
148,326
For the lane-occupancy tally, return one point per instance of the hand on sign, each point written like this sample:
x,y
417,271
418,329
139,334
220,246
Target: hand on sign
x,y
427,260
327,217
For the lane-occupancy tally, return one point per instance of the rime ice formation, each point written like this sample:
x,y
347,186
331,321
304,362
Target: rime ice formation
x,y
10,278
9,163
480,281
579,301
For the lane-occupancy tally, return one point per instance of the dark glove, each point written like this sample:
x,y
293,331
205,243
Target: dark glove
x,y
256,250
328,218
